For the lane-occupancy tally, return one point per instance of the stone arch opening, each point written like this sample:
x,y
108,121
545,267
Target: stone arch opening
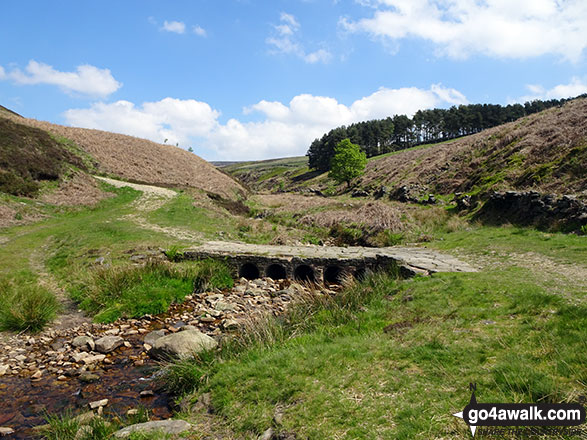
x,y
333,274
304,273
249,271
276,271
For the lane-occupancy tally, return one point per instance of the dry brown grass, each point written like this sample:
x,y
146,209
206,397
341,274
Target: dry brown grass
x,y
539,139
374,216
144,161
80,189
13,214
295,203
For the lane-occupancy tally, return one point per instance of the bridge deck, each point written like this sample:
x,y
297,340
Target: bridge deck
x,y
414,260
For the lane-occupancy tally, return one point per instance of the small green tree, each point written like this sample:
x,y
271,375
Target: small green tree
x,y
348,162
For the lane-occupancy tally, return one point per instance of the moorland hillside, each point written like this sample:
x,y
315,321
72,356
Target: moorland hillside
x,y
136,159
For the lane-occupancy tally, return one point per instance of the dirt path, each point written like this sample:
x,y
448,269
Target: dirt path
x,y
153,198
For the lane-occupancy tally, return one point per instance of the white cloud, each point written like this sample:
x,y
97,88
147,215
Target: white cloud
x,y
177,27
173,119
576,87
284,41
87,80
283,129
499,28
198,30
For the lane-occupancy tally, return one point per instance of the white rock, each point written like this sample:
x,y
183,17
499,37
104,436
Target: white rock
x,y
98,403
4,430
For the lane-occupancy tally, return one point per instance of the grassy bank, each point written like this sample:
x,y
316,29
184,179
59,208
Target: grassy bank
x,y
393,358
134,291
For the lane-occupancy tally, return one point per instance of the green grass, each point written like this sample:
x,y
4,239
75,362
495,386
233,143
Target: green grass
x,y
508,240
26,306
68,427
67,245
134,291
336,373
181,212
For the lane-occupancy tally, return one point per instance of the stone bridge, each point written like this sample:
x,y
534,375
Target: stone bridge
x,y
322,263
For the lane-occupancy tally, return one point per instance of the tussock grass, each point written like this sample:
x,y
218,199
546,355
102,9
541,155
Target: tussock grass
x,y
25,306
135,291
67,427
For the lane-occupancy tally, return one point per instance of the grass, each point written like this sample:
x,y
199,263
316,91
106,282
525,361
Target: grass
x,y
27,306
66,247
393,358
134,291
68,427
212,224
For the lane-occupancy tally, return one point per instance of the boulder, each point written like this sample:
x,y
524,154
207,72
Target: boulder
x,y
151,337
107,344
84,343
168,427
181,344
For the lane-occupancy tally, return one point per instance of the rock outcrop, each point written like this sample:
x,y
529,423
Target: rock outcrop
x,y
533,208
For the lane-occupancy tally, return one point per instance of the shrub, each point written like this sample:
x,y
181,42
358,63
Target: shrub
x,y
26,306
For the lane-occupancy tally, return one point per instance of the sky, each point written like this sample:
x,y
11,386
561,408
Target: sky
x,y
252,79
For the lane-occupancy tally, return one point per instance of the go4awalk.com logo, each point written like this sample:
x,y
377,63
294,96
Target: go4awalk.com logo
x,y
520,414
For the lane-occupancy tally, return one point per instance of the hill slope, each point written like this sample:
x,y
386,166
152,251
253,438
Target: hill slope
x,y
545,152
141,160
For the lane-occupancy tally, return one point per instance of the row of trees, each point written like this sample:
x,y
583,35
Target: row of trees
x,y
426,126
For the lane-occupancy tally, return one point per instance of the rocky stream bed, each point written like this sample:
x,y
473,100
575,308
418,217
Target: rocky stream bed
x,y
114,368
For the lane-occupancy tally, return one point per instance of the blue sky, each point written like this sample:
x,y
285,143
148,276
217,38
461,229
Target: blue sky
x,y
250,79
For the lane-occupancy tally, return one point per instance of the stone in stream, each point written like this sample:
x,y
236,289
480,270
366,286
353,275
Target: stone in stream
x,y
94,359
88,377
168,427
84,343
107,344
4,430
98,403
182,344
151,337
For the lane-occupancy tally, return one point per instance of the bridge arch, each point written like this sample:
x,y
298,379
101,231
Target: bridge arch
x,y
250,271
303,272
276,271
333,274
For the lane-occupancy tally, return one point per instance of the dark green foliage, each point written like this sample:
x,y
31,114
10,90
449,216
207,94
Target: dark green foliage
x,y
427,126
29,155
